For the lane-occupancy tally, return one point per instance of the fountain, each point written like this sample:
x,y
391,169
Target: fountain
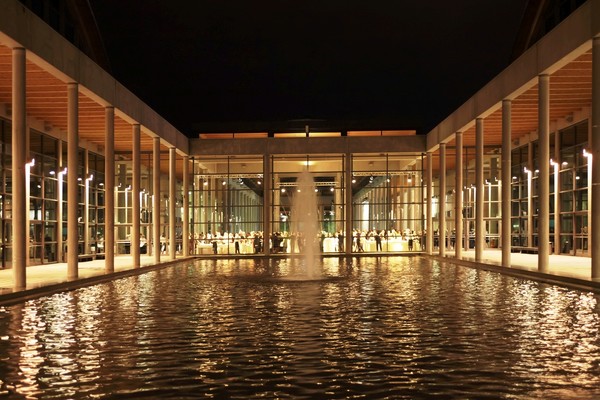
x,y
304,222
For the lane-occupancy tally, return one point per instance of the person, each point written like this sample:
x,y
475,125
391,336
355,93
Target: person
x,y
256,243
237,244
143,244
341,242
410,243
192,245
378,241
163,244
359,246
215,247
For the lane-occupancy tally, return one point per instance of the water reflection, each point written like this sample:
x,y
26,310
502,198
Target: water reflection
x,y
380,328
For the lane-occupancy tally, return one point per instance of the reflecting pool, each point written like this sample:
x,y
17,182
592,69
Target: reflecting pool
x,y
397,328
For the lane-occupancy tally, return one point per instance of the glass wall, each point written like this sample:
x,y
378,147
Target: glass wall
x,y
327,172
123,205
43,199
387,202
520,203
227,200
5,193
574,193
226,205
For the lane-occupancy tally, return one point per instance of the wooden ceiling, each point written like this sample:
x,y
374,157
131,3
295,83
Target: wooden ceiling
x,y
570,92
47,102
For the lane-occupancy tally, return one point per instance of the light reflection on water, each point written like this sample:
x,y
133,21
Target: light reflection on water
x,y
378,328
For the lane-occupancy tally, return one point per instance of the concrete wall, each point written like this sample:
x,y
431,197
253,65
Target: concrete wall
x,y
327,145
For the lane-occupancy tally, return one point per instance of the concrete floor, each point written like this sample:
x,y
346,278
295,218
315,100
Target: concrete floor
x,y
49,278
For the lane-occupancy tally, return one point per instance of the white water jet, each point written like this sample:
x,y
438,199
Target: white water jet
x,y
305,222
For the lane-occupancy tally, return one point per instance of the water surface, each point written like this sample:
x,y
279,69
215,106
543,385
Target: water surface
x,y
397,328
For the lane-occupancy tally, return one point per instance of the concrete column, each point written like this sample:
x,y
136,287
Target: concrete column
x,y
172,200
268,179
156,198
428,198
458,198
595,160
20,236
479,194
348,212
506,182
557,185
186,207
529,194
544,176
135,195
442,193
86,201
72,183
109,189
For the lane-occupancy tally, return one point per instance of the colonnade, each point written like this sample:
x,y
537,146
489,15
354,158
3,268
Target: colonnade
x,y
21,163
546,161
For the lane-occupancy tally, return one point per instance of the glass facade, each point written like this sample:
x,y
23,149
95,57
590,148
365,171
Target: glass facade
x,y
226,205
5,192
385,210
569,191
574,193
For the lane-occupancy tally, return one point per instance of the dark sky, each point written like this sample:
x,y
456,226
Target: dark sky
x,y
199,61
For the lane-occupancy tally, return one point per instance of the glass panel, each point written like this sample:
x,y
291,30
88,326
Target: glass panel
x,y
581,200
566,201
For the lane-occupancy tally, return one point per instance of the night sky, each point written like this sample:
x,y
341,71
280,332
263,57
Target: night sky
x,y
227,61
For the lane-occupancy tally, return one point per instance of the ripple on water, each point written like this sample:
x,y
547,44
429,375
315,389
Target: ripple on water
x,y
379,328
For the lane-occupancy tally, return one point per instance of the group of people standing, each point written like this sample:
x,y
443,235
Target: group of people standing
x,y
285,242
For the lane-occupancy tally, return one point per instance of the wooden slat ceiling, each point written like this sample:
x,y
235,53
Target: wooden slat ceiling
x,y
47,102
570,92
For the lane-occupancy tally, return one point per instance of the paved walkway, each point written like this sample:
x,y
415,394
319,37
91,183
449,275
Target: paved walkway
x,y
49,278
563,270
41,279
